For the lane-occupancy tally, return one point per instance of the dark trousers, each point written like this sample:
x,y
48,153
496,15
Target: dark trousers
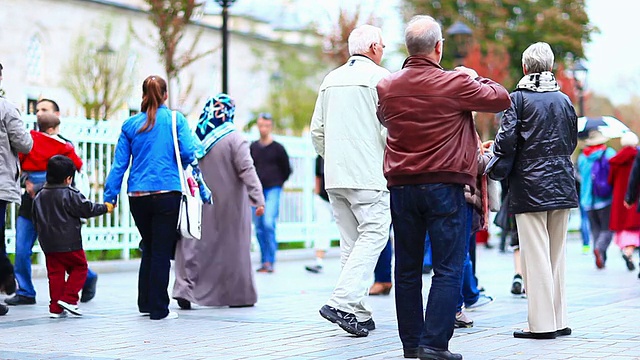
x,y
441,210
60,264
599,223
382,272
469,292
156,217
6,269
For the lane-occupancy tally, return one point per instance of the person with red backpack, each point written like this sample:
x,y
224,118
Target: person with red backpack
x,y
596,192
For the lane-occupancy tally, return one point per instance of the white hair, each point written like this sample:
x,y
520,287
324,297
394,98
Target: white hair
x,y
362,37
629,139
538,58
422,34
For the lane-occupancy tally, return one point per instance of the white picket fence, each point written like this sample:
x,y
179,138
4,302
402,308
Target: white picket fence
x,y
95,144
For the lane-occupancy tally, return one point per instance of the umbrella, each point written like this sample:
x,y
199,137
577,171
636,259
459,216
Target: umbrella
x,y
607,125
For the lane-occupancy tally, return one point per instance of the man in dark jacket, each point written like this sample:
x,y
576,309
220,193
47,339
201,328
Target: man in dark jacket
x,y
540,130
431,153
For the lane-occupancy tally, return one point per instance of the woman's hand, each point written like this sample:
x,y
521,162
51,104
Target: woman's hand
x,y
487,144
627,205
260,211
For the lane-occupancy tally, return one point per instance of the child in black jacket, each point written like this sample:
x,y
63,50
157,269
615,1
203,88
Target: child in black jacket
x,y
57,210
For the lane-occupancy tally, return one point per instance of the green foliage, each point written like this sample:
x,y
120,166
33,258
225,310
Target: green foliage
x,y
293,85
513,25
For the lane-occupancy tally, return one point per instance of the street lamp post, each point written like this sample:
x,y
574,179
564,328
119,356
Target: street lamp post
x,y
579,72
106,53
461,35
225,4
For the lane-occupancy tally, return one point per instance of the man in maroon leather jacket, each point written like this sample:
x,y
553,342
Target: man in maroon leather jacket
x,y
431,154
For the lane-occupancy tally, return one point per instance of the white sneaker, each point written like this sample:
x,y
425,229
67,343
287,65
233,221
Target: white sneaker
x,y
70,308
172,315
61,315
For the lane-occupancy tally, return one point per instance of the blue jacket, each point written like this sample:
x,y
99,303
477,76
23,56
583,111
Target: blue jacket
x,y
585,164
153,161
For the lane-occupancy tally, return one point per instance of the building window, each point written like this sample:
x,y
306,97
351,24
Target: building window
x,y
34,60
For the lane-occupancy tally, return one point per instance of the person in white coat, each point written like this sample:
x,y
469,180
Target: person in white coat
x,y
347,134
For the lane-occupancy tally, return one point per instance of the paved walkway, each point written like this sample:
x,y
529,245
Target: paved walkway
x,y
604,309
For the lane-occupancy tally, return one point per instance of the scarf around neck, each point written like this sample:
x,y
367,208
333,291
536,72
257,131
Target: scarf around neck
x,y
539,82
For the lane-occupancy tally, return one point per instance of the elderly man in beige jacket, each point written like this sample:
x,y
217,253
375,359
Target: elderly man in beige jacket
x,y
347,134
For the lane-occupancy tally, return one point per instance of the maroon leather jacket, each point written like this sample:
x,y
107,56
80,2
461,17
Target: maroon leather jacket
x,y
427,111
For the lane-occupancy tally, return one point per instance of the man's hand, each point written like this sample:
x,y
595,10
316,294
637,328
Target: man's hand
x,y
260,211
627,205
472,73
28,185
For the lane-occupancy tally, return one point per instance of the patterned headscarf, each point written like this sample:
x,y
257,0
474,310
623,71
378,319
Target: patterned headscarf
x,y
216,121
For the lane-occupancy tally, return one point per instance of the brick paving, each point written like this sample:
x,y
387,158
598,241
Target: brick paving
x,y
604,312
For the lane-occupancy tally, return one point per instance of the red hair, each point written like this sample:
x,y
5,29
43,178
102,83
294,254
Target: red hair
x,y
154,90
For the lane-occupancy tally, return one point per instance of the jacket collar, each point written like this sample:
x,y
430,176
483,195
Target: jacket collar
x,y
55,186
420,61
359,57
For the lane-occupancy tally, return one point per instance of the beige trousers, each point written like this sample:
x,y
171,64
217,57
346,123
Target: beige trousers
x,y
543,238
363,218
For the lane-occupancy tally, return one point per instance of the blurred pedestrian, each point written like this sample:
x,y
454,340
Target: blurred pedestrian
x,y
146,148
624,222
324,219
14,138
346,133
597,205
272,165
216,270
540,132
430,154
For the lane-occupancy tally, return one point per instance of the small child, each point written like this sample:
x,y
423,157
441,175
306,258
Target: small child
x,y
46,143
57,210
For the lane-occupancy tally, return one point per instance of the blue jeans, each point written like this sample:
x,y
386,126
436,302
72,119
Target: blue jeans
x,y
382,272
441,210
469,293
156,218
266,225
584,227
427,251
26,236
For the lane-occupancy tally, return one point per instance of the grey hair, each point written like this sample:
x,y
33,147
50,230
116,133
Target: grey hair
x,y
422,34
538,58
362,37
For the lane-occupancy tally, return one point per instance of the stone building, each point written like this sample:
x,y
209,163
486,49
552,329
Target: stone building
x,y
37,36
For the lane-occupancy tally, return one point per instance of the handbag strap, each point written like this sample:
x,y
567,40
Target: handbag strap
x,y
174,130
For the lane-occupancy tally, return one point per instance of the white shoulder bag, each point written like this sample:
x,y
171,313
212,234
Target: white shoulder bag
x,y
190,218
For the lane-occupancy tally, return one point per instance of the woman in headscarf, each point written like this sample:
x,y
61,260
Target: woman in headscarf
x,y
216,271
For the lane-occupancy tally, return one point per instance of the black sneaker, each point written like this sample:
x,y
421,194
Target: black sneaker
x,y
89,290
20,300
516,285
369,324
345,320
316,269
184,303
4,309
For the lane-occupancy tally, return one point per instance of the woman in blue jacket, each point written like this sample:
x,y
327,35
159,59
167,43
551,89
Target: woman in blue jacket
x,y
145,147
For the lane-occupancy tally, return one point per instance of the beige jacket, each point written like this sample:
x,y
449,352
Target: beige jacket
x,y
345,130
